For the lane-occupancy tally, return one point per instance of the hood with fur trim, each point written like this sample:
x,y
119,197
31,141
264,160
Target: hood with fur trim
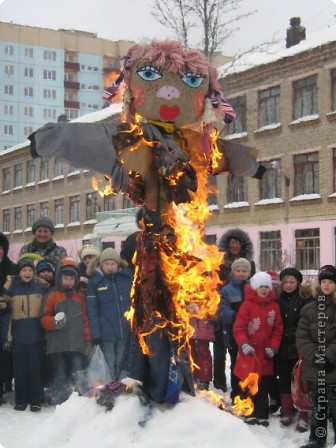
x,y
243,237
4,243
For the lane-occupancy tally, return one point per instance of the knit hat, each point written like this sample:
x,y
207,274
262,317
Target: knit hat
x,y
44,265
24,263
261,279
109,254
293,272
88,249
327,272
43,222
69,270
241,262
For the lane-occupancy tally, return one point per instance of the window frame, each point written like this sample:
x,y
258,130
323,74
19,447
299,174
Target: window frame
x,y
301,174
305,97
310,249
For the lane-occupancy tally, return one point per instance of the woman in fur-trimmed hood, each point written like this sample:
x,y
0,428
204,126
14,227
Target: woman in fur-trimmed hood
x,y
7,267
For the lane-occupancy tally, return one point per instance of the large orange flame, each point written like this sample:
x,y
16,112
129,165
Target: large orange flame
x,y
245,406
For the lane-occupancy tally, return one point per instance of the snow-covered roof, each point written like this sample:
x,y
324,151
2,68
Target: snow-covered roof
x,y
276,52
92,117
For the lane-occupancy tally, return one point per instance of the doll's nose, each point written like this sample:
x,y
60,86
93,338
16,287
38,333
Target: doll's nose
x,y
168,92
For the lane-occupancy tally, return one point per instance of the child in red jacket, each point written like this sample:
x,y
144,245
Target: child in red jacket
x,y
258,331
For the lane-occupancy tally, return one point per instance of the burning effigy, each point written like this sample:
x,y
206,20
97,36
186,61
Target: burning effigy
x,y
161,155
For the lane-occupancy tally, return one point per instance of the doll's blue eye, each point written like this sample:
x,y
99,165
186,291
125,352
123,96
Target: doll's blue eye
x,y
149,73
192,80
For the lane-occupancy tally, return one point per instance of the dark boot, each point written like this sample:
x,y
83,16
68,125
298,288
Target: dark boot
x,y
302,422
286,409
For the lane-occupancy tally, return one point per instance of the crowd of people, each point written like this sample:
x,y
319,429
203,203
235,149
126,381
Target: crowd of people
x,y
54,310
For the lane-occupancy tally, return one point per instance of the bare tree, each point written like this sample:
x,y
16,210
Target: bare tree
x,y
219,19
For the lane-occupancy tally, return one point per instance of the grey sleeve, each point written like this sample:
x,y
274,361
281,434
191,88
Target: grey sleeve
x,y
241,161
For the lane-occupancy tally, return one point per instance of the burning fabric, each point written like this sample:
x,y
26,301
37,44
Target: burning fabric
x,y
159,158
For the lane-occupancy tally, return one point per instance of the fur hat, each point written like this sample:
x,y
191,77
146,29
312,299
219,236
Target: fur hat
x,y
86,250
261,279
109,254
4,243
241,262
327,272
24,263
43,222
293,272
44,265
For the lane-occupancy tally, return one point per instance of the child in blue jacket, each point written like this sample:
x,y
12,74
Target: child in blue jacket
x,y
107,300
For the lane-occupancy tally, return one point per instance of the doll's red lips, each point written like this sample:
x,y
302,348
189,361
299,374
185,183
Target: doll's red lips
x,y
169,113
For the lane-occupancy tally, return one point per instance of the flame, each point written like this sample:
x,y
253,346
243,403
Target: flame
x,y
102,185
245,406
212,398
215,154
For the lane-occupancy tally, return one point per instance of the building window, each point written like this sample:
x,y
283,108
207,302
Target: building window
x,y
212,186
27,130
59,168
9,50
68,77
6,220
44,174
18,175
9,70
69,96
89,106
59,211
239,123
109,202
28,111
29,52
49,113
8,129
236,189
9,90
307,243
71,113
306,174
92,206
49,55
28,72
305,97
74,208
269,106
270,251
8,109
28,92
49,74
270,184
18,218
44,209
6,181
49,94
30,171
30,215
334,169
333,89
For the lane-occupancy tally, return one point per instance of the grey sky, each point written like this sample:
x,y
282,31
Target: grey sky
x,y
131,19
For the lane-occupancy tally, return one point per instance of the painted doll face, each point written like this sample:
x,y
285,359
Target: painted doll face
x,y
159,94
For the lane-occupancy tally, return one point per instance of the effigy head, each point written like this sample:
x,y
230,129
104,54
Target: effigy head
x,y
167,82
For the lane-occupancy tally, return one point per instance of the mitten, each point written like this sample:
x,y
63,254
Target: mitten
x,y
7,346
247,349
269,352
59,320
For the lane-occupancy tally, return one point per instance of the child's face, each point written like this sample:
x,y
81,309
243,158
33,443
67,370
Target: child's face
x,y
262,291
328,286
86,260
46,275
110,267
241,272
68,281
26,274
289,283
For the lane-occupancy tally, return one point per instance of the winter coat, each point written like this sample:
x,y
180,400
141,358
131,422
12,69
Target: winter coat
x,y
203,329
26,302
290,308
309,335
259,324
246,252
232,296
107,300
51,252
72,337
7,267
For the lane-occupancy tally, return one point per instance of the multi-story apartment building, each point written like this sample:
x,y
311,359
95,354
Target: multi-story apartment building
x,y
286,107
46,73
